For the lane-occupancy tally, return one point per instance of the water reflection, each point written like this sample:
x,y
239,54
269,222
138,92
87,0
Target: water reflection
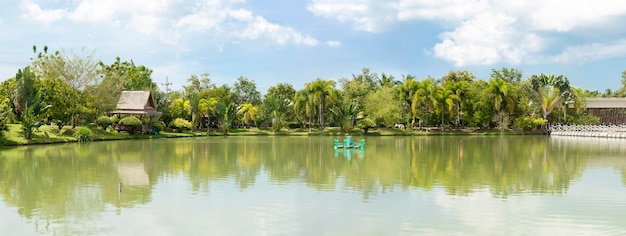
x,y
47,184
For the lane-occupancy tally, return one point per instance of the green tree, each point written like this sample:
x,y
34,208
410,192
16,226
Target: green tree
x,y
503,97
443,101
384,107
346,114
511,75
244,91
323,92
248,112
119,76
406,91
225,115
24,91
550,98
423,98
197,84
304,106
207,107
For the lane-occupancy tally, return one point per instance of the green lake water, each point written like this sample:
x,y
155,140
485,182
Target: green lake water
x,y
448,185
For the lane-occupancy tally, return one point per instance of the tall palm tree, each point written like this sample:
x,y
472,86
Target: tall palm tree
x,y
225,115
323,92
460,89
503,92
304,105
207,107
423,96
248,113
443,100
406,90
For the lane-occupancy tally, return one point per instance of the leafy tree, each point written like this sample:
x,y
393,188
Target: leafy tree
x,y
282,100
383,106
323,92
32,117
457,76
78,69
366,78
365,124
197,84
406,91
180,108
423,98
355,90
119,76
511,75
244,91
64,99
24,91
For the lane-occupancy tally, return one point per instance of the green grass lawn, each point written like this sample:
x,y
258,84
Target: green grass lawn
x,y
51,134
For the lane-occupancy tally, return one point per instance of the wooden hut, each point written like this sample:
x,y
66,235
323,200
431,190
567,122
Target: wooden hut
x,y
140,104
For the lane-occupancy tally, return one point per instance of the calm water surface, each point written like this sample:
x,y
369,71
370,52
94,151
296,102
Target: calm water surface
x,y
522,185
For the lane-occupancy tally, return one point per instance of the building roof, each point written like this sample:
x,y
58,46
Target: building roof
x,y
136,103
606,102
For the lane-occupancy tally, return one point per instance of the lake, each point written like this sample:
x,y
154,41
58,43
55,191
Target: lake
x,y
443,185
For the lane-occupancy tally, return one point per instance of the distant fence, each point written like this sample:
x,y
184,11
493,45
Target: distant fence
x,y
611,131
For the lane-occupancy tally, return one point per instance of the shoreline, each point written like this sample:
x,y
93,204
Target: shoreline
x,y
47,134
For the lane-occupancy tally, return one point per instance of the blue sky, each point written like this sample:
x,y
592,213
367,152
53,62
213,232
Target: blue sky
x,y
297,41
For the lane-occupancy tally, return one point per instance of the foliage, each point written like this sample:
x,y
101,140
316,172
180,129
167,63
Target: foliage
x,y
225,116
24,91
131,123
586,119
528,123
158,125
244,91
3,128
383,107
365,124
115,119
118,76
83,134
180,124
248,113
103,121
322,92
346,115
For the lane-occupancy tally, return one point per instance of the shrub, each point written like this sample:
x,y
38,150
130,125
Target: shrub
x,y
365,124
83,134
293,125
131,123
180,124
3,128
528,123
158,125
66,131
115,119
104,121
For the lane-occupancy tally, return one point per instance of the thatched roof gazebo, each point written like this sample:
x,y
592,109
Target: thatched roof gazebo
x,y
138,103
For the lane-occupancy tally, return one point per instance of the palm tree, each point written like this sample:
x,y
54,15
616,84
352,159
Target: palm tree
x,y
550,97
503,92
248,112
346,115
460,89
225,115
207,107
443,100
423,96
304,106
406,90
323,91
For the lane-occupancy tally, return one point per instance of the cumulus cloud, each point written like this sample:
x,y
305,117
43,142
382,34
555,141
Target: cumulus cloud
x,y
333,43
485,32
170,20
593,51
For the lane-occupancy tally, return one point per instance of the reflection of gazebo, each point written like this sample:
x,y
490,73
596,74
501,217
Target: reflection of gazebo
x,y
137,103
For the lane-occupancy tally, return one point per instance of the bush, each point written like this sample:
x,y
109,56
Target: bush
x,y
3,128
115,119
104,121
528,123
586,119
158,125
365,124
180,124
293,125
131,123
83,134
66,131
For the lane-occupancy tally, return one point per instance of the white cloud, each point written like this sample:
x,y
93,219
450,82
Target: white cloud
x,y
333,43
593,51
485,32
171,20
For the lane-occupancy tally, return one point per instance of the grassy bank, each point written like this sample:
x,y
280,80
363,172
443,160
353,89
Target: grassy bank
x,y
51,134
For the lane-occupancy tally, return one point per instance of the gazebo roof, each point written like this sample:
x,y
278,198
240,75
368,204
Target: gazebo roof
x,y
136,103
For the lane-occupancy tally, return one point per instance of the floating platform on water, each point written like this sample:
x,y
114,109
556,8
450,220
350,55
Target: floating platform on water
x,y
348,143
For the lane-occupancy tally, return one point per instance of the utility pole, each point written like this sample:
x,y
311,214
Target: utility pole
x,y
167,85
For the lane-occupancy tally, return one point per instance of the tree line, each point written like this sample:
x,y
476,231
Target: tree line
x,y
71,87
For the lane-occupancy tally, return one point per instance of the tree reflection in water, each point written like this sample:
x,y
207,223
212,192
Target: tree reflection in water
x,y
80,181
